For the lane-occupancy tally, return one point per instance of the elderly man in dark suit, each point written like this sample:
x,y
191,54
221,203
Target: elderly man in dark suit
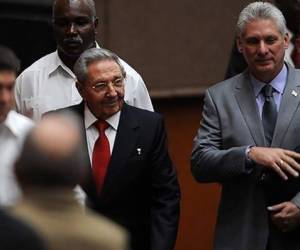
x,y
132,179
247,138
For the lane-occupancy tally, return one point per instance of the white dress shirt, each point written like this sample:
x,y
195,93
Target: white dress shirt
x,y
92,133
48,84
12,134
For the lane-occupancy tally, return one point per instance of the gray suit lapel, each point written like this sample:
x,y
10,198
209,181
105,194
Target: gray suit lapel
x,y
246,100
289,103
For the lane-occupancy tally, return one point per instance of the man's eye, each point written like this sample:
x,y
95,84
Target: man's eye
x,y
100,85
271,40
118,81
82,21
252,41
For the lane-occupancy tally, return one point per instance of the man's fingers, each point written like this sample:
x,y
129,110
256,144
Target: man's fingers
x,y
291,162
276,208
292,154
279,171
284,166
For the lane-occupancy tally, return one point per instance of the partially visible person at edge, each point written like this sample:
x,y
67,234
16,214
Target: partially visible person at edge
x,y
49,83
13,127
248,137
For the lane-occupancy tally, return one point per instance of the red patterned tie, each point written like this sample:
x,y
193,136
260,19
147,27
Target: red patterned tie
x,y
101,154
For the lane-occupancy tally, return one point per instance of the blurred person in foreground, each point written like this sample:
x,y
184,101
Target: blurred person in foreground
x,y
132,179
49,83
247,139
51,163
15,234
13,127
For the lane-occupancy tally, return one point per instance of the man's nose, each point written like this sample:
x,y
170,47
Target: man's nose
x,y
72,29
263,48
5,96
111,91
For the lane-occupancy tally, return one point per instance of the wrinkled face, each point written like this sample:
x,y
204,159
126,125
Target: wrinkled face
x,y
103,91
74,27
263,47
7,82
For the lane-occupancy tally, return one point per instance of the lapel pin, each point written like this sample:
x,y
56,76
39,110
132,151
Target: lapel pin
x,y
139,151
294,93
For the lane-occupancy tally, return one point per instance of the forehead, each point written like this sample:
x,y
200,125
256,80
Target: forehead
x,y
103,69
7,78
71,8
261,27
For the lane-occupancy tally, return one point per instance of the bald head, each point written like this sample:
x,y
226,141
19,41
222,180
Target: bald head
x,y
90,4
56,136
52,154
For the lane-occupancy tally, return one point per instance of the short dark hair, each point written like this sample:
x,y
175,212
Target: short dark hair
x,y
8,60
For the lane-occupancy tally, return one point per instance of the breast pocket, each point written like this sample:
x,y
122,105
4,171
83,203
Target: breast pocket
x,y
35,107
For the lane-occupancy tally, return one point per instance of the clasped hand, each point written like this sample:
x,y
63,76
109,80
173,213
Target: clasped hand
x,y
281,161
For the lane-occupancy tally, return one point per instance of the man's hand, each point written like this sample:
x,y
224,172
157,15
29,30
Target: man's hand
x,y
282,161
285,216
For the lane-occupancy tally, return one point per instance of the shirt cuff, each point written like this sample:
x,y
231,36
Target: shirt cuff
x,y
249,162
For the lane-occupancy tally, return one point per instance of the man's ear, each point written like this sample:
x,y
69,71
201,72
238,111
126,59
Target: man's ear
x,y
96,22
239,44
286,40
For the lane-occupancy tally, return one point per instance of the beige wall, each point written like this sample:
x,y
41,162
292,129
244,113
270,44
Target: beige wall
x,y
179,47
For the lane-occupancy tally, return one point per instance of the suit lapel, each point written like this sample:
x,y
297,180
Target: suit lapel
x,y
289,103
246,100
125,141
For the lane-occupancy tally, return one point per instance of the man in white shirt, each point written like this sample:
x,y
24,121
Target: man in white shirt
x,y
49,83
13,127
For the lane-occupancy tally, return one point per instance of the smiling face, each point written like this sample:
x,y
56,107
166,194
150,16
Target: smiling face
x,y
263,47
103,102
74,27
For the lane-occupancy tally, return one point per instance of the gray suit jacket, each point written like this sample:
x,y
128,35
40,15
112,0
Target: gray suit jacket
x,y
230,123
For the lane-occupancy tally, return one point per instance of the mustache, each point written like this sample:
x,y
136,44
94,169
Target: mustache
x,y
113,99
73,40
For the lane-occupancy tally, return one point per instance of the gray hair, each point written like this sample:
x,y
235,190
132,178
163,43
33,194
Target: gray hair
x,y
89,3
94,55
261,10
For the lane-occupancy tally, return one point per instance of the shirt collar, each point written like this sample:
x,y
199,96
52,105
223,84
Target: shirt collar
x,y
58,63
278,83
90,119
11,123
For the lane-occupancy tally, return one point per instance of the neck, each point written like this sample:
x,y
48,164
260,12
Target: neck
x,y
266,77
67,60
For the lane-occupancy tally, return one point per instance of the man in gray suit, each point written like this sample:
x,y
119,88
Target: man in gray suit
x,y
247,138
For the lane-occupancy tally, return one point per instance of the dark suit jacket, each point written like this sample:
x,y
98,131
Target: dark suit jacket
x,y
230,123
16,234
140,191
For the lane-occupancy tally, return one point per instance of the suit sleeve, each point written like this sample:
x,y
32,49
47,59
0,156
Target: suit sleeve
x,y
165,195
210,160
